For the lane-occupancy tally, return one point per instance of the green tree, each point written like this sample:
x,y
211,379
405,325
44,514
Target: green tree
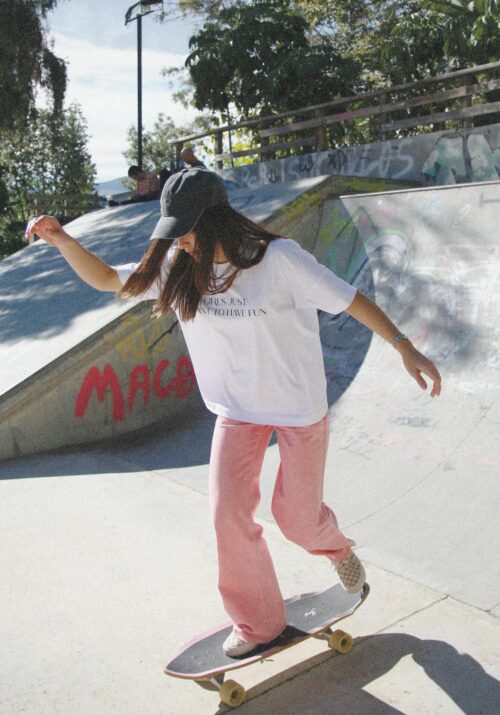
x,y
399,41
158,153
75,172
202,10
48,156
474,26
258,58
26,61
423,40
393,40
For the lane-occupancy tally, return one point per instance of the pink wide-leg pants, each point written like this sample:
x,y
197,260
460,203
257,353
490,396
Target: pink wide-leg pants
x,y
247,580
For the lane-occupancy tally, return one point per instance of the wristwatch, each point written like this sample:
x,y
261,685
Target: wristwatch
x,y
399,337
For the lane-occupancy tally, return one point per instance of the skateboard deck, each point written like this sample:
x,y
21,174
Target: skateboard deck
x,y
308,615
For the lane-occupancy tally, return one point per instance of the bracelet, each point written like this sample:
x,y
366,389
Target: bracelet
x,y
399,337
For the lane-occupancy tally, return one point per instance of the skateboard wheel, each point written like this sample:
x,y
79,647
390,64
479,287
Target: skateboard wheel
x,y
232,693
340,641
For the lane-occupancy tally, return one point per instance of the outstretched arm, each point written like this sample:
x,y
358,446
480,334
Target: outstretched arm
x,y
88,266
368,313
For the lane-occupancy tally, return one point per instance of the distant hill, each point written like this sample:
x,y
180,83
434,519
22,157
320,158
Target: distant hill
x,y
112,187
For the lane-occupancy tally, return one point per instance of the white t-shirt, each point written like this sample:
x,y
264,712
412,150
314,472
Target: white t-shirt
x,y
255,349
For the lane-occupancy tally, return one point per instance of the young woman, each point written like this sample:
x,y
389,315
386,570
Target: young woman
x,y
247,302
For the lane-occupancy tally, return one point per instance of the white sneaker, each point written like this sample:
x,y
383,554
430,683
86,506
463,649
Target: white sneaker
x,y
234,647
351,573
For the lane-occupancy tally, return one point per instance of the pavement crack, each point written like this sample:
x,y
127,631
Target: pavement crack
x,y
428,606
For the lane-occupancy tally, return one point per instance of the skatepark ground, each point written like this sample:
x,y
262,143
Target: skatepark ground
x,y
109,567
107,552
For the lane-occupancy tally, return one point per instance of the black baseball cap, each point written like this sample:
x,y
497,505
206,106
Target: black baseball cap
x,y
184,198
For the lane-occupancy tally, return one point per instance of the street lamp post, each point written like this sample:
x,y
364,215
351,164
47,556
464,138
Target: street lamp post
x,y
146,7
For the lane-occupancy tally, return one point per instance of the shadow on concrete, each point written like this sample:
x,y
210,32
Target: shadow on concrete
x,y
39,293
341,684
160,446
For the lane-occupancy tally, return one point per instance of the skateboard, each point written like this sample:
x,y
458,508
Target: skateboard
x,y
308,615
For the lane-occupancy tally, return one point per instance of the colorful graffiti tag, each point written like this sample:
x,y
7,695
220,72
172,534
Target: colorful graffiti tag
x,y
438,158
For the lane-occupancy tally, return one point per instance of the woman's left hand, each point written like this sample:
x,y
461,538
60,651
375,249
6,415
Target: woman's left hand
x,y
416,364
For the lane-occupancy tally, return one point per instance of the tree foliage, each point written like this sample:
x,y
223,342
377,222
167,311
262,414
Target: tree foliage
x,y
392,41
470,27
401,40
48,156
41,150
158,153
26,61
429,38
258,57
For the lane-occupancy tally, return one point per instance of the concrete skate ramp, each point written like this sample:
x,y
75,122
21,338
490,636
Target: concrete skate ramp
x,y
79,365
417,480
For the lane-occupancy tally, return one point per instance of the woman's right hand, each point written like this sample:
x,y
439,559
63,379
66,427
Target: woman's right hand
x,y
47,228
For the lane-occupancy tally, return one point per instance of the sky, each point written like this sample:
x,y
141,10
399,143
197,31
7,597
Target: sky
x,y
101,56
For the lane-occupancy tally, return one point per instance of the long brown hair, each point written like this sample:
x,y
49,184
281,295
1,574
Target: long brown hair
x,y
243,242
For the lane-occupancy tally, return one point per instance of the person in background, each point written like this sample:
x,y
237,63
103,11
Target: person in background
x,y
147,188
190,160
147,185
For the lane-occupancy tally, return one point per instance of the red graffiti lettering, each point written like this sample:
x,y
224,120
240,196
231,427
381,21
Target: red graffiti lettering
x,y
160,391
139,380
101,382
181,385
184,381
